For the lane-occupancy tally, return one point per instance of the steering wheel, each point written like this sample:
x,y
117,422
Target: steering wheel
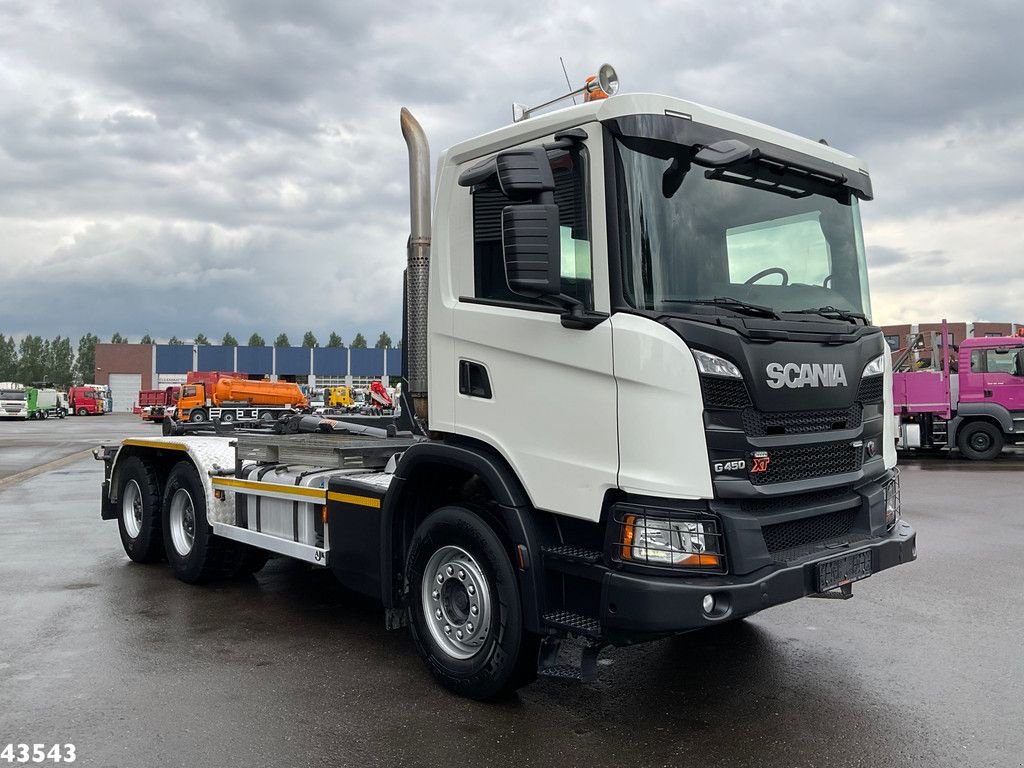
x,y
770,271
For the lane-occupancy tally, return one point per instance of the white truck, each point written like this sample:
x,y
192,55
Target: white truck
x,y
13,400
698,282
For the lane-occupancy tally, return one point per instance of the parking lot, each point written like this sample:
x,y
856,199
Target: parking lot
x,y
923,667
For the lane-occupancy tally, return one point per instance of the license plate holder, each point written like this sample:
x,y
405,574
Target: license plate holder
x,y
845,569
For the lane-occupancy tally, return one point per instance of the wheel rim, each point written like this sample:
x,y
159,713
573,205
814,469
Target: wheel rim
x,y
980,442
182,522
131,509
456,602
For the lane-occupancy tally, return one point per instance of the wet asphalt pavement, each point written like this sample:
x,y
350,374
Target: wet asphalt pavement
x,y
923,667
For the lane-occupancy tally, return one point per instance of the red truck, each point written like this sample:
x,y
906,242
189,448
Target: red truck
x,y
972,397
156,402
85,401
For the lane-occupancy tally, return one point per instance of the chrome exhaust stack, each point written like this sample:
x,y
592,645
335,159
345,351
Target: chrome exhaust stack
x,y
418,269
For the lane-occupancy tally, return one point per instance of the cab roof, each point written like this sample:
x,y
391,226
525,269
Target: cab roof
x,y
644,104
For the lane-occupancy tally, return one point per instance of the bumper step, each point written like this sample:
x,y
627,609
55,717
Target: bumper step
x,y
574,623
571,554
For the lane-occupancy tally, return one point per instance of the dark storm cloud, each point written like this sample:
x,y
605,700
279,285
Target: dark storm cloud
x,y
207,166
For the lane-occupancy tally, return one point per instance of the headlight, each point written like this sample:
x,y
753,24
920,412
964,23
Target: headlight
x,y
875,368
713,365
669,542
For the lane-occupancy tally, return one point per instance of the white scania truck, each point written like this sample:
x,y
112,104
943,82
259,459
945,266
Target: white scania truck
x,y
698,282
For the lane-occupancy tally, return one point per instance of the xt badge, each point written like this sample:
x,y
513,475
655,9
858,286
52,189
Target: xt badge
x,y
759,462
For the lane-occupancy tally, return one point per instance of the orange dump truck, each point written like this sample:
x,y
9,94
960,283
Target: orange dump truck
x,y
239,399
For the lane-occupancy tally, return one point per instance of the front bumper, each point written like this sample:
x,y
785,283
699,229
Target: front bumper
x,y
635,604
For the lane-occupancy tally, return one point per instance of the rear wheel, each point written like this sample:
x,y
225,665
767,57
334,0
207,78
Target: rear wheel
x,y
980,441
266,416
139,521
227,417
465,608
195,554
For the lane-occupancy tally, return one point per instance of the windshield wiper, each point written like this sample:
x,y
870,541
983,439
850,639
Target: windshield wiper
x,y
830,311
743,307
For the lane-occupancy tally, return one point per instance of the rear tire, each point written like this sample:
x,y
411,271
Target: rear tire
x,y
195,554
139,522
227,417
465,609
266,417
980,441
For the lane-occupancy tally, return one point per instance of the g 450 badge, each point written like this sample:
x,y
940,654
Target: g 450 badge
x,y
736,465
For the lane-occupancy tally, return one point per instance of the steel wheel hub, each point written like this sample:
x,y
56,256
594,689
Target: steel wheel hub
x,y
980,442
182,522
131,509
456,602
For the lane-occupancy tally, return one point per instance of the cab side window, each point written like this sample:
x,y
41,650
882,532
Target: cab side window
x,y
977,361
570,174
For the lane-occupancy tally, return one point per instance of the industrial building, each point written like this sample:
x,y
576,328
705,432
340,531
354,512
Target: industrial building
x,y
128,368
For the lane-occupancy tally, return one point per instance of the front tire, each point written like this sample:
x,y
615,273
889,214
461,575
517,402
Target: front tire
x,y
465,610
980,441
82,412
139,521
195,554
197,416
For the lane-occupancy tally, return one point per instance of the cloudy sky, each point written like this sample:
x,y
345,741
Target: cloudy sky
x,y
185,167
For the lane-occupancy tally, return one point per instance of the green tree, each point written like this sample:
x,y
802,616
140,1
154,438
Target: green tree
x,y
31,359
256,341
359,342
85,367
202,340
282,341
383,341
147,339
334,341
309,340
229,340
8,358
175,341
117,338
61,371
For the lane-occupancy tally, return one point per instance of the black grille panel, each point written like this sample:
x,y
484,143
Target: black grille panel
x,y
871,389
760,423
809,530
801,462
724,393
790,502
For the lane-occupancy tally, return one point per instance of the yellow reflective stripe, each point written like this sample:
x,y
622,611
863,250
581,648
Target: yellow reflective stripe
x,y
153,444
254,485
348,498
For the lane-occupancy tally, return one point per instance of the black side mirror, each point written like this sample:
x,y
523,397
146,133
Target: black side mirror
x,y
725,153
531,244
525,174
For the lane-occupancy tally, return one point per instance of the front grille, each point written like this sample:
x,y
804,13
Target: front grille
x,y
801,462
871,389
724,393
759,423
788,503
809,530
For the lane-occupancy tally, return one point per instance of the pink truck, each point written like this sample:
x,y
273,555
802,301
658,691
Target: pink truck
x,y
972,399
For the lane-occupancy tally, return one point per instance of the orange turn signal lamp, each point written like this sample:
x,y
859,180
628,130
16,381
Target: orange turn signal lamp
x,y
631,550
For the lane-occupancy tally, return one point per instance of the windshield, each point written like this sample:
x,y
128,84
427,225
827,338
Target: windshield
x,y
688,234
12,394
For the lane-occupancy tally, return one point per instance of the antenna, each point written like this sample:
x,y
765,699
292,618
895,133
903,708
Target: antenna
x,y
567,81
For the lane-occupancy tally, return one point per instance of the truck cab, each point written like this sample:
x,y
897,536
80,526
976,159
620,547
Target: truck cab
x,y
86,401
13,401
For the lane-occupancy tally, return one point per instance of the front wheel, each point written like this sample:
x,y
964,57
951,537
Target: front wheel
x,y
464,604
82,412
197,416
980,441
